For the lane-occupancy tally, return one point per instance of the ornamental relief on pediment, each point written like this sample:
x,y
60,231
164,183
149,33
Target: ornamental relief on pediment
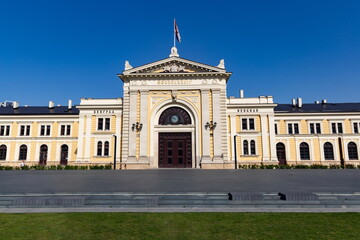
x,y
174,67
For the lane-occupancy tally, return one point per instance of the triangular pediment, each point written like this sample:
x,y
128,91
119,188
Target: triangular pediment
x,y
173,65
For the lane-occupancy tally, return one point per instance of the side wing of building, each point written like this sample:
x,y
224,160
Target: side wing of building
x,y
45,135
323,133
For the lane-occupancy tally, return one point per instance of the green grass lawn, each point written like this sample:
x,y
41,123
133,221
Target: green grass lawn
x,y
340,226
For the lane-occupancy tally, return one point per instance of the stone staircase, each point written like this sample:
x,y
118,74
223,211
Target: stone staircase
x,y
187,200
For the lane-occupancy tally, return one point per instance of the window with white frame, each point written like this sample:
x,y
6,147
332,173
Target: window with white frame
x,y
45,130
304,151
248,124
5,130
249,147
3,150
336,127
356,127
102,149
65,130
103,124
293,128
315,128
23,152
24,130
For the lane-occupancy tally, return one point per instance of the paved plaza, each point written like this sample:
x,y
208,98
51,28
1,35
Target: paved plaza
x,y
180,180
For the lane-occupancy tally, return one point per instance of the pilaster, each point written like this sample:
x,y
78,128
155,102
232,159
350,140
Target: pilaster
x,y
132,120
205,116
264,138
144,133
273,156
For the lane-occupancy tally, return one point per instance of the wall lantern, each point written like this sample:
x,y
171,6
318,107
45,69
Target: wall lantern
x,y
137,126
210,125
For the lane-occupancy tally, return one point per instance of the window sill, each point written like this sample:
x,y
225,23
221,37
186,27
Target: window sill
x,y
103,132
249,155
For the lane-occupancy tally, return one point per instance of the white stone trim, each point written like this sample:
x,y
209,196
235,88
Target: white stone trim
x,y
154,130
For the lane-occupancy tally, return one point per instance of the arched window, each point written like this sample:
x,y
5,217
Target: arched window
x,y
23,152
174,116
64,154
328,151
245,147
3,149
106,149
304,151
352,151
252,147
281,153
43,154
99,148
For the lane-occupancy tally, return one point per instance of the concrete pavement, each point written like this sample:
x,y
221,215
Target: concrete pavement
x,y
180,180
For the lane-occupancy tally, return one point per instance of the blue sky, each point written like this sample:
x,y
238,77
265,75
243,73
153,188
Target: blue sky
x,y
61,49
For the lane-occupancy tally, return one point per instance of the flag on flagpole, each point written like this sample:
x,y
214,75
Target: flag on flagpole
x,y
176,31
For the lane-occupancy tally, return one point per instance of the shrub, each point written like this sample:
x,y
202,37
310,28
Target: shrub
x,y
285,167
38,167
301,166
70,167
318,166
333,166
254,166
52,167
59,167
350,166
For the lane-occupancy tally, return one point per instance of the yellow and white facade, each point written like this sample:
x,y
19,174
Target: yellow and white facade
x,y
175,113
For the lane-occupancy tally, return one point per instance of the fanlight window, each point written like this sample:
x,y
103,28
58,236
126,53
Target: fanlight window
x,y
174,116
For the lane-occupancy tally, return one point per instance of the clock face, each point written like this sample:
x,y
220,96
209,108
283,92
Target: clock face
x,y
174,119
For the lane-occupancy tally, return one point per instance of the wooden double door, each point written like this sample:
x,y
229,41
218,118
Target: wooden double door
x,y
175,150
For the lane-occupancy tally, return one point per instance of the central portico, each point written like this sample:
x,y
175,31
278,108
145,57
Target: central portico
x,y
174,115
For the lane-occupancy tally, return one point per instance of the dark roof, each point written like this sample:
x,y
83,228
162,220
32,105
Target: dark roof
x,y
319,108
62,110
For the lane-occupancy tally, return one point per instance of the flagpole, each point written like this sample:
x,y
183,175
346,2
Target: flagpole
x,y
174,34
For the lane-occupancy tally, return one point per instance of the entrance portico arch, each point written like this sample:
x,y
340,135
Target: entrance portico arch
x,y
156,129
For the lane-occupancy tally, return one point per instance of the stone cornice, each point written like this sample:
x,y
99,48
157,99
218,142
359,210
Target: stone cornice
x,y
164,75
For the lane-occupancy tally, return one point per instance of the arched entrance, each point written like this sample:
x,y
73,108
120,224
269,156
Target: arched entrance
x,y
64,154
280,153
175,148
43,155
